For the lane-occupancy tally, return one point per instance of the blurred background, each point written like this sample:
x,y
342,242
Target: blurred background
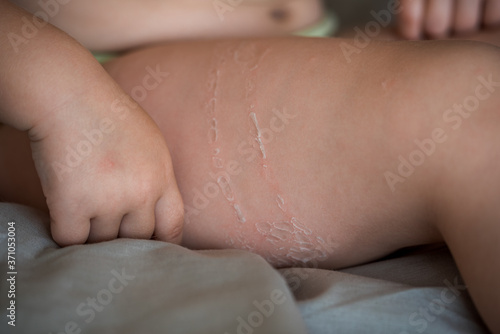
x,y
353,12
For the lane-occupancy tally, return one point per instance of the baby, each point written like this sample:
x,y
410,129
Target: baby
x,y
280,147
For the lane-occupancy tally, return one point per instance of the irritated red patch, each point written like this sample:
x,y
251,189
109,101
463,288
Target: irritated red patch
x,y
107,165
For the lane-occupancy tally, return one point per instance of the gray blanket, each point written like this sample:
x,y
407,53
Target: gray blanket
x,y
130,286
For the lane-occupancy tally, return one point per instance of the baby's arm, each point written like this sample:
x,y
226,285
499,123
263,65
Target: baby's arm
x,y
440,18
117,25
104,167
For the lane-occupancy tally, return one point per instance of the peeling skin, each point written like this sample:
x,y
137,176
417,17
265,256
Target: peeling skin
x,y
258,61
264,228
281,203
259,134
290,242
211,105
211,83
297,224
218,163
241,218
227,191
303,240
213,123
284,226
216,85
212,135
281,234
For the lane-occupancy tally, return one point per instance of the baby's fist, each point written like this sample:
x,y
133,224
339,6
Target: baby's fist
x,y
107,175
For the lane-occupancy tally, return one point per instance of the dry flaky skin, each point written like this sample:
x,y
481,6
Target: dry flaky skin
x,y
263,143
284,148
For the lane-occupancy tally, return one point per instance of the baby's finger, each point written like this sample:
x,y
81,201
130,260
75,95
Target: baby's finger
x,y
170,217
69,229
467,15
492,13
104,228
138,224
410,20
438,18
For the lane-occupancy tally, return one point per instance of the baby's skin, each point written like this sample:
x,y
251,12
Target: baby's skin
x,y
114,25
283,148
269,148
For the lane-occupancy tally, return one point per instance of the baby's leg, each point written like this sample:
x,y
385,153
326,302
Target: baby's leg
x,y
282,148
468,200
329,132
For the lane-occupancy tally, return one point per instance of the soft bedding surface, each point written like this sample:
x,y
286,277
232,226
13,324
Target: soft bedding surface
x,y
130,286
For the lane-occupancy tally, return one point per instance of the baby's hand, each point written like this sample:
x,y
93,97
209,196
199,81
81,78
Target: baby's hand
x,y
440,18
106,174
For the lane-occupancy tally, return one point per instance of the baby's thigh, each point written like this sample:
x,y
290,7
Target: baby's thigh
x,y
284,148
